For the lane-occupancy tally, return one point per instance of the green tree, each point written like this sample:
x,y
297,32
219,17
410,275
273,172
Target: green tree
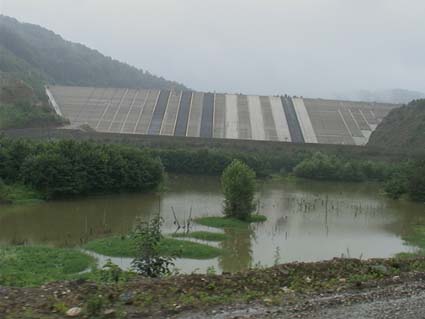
x,y
149,262
238,184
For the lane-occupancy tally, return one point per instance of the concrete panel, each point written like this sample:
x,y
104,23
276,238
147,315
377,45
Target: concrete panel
x,y
244,119
292,119
282,128
268,119
207,115
195,115
183,115
349,120
360,120
88,111
170,117
146,116
220,116
257,123
109,110
304,120
159,112
124,108
328,122
231,116
134,112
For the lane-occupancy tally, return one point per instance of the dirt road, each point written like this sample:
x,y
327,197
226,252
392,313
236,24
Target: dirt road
x,y
404,300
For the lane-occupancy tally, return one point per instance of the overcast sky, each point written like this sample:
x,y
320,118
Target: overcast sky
x,y
304,47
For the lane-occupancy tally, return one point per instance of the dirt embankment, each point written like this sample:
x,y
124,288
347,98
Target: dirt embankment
x,y
285,291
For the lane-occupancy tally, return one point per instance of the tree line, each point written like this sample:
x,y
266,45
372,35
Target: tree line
x,y
399,178
66,168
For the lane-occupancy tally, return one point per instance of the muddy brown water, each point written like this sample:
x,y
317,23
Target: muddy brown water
x,y
307,221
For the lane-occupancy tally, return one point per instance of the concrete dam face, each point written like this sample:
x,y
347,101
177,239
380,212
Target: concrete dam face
x,y
216,115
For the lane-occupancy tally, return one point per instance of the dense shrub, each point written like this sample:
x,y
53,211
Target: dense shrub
x,y
73,168
330,167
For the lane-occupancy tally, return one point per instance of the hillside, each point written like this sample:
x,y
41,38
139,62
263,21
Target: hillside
x,y
403,128
36,54
21,106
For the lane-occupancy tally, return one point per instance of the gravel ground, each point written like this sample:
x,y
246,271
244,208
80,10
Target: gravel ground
x,y
404,300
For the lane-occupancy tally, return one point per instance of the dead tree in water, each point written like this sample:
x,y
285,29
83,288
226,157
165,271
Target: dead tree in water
x,y
187,224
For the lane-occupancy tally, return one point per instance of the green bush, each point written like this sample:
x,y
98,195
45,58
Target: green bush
x,y
64,168
238,184
322,166
149,261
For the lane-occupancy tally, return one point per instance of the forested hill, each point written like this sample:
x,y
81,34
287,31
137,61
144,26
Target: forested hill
x,y
34,53
403,129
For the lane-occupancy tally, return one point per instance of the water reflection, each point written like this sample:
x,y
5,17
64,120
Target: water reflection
x,y
237,250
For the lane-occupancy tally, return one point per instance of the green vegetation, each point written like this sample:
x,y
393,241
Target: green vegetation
x,y
214,161
125,246
20,107
229,222
402,130
409,180
238,184
202,235
26,115
149,260
38,55
65,168
322,166
18,194
32,266
279,285
416,181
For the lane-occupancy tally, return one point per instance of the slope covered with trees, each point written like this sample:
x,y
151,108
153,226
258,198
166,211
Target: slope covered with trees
x,y
37,54
402,129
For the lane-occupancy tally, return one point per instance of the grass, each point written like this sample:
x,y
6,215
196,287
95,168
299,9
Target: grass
x,y
202,235
28,266
124,246
18,194
229,222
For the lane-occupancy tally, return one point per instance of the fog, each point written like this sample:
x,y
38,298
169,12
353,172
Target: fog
x,y
304,47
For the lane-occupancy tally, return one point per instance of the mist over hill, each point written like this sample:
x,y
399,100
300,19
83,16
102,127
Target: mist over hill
x,y
35,54
397,96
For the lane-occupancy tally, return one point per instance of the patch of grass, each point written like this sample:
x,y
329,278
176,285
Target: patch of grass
x,y
18,194
228,222
28,266
202,235
124,246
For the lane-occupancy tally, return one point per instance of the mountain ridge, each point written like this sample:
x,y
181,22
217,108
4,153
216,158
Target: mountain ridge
x,y
31,49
